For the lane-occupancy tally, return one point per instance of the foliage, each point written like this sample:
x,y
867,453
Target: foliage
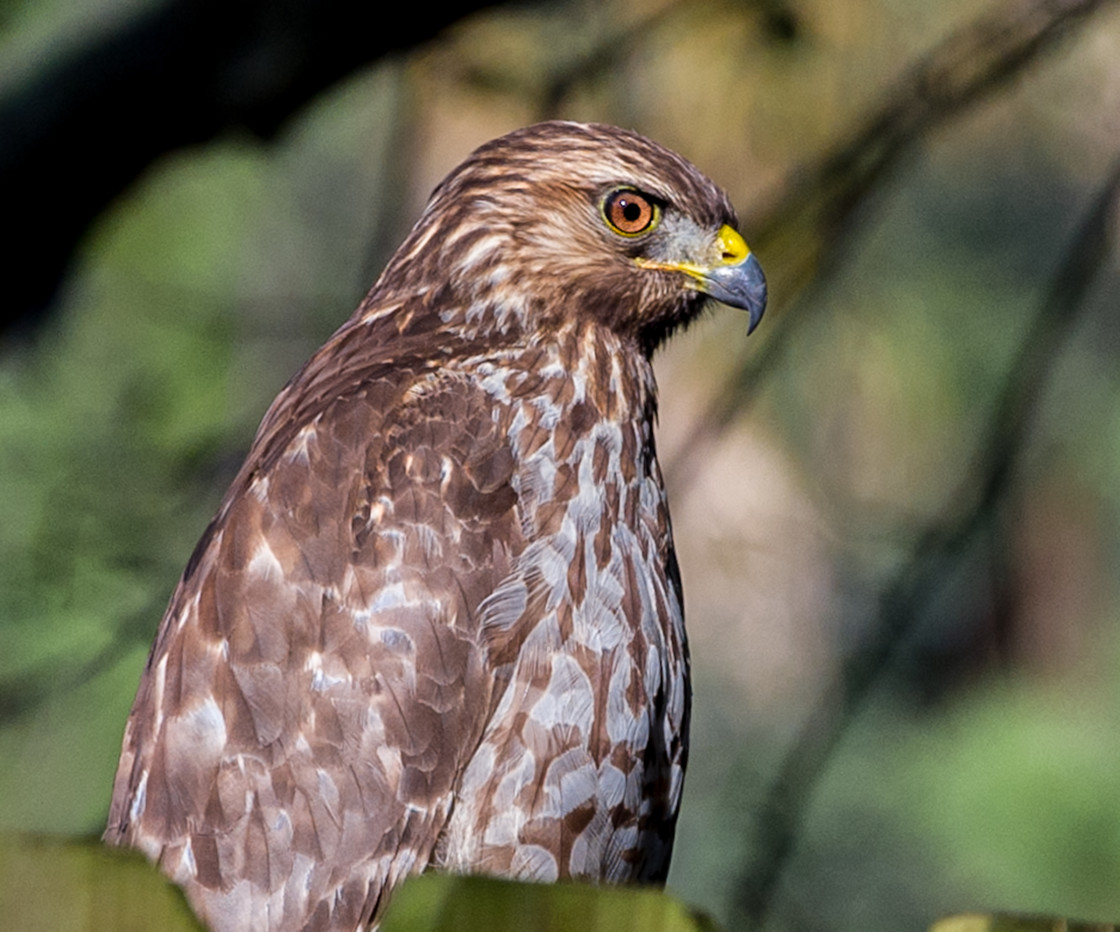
x,y
73,885
446,903
82,886
978,923
912,226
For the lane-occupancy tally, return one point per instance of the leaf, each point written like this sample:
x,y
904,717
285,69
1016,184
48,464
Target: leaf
x,y
69,885
452,903
1001,922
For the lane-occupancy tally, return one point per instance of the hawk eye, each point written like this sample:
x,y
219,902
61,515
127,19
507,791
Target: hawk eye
x,y
629,212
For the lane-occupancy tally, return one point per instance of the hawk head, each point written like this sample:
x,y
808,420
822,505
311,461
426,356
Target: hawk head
x,y
567,219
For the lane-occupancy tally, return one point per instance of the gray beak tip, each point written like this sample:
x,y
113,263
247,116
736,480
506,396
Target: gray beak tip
x,y
742,285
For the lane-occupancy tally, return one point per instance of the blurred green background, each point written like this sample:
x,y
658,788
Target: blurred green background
x,y
896,506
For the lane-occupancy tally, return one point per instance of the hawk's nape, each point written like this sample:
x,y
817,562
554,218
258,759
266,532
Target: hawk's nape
x,y
437,618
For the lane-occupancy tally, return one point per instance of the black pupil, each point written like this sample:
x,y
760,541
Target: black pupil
x,y
631,211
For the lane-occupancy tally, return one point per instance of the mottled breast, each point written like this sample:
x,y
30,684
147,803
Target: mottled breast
x,y
579,771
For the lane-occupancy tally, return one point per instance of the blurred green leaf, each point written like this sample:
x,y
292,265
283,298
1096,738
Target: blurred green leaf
x,y
439,902
67,885
1004,923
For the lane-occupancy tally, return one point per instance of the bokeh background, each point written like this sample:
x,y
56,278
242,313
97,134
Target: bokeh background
x,y
896,505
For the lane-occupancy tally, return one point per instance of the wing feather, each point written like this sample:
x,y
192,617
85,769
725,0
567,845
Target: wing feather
x,y
318,683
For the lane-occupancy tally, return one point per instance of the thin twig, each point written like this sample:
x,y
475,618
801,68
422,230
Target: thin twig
x,y
799,237
902,600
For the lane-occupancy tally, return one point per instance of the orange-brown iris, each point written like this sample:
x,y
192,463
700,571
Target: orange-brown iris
x,y
629,212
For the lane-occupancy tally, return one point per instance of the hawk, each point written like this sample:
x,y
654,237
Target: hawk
x,y
437,618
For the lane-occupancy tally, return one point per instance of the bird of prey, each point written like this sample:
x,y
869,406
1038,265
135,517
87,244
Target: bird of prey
x,y
436,621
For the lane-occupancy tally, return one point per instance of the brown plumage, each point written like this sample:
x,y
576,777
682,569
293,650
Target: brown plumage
x,y
437,618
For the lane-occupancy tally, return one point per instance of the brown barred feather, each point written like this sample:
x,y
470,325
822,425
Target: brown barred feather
x,y
437,618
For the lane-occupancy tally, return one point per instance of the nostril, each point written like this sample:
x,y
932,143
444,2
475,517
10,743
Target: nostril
x,y
733,249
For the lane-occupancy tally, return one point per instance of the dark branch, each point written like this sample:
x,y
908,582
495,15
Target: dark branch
x,y
80,131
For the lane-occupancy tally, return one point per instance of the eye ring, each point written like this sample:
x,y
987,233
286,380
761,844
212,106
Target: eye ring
x,y
629,212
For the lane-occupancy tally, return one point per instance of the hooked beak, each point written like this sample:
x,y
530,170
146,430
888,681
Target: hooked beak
x,y
738,279
735,277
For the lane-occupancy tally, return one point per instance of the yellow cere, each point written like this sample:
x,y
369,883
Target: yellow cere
x,y
734,247
733,250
